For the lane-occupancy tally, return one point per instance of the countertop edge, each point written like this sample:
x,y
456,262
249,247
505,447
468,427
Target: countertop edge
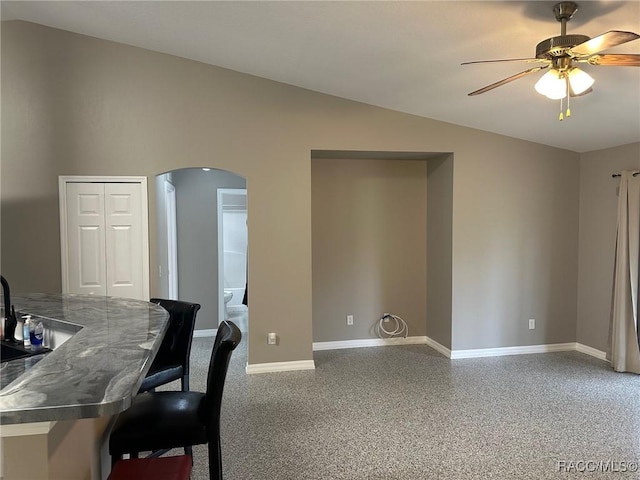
x,y
38,396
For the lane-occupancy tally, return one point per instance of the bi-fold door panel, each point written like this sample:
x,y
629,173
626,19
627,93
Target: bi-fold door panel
x,y
86,238
123,234
105,239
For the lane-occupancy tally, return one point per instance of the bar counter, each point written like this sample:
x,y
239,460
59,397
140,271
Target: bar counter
x,y
96,372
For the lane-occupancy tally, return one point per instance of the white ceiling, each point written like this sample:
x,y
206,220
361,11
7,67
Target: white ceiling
x,y
400,55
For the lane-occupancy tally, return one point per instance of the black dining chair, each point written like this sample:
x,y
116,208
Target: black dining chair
x,y
172,360
157,421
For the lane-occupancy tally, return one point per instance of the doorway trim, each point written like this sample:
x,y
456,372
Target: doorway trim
x,y
172,239
220,193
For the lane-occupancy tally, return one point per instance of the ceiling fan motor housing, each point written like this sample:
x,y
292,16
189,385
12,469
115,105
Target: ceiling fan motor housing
x,y
558,46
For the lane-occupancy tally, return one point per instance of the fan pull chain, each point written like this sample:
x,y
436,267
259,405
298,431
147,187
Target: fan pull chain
x,y
561,116
568,98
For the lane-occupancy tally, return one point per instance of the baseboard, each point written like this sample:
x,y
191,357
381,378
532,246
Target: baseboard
x,y
456,354
522,350
207,332
415,340
599,354
368,342
438,347
280,366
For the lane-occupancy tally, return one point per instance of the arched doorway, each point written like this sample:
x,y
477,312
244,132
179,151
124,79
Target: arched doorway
x,y
198,271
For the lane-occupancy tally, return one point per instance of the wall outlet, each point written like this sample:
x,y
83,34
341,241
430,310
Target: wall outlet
x,y
532,324
272,338
349,319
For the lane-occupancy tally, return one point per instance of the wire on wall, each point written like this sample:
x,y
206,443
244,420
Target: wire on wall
x,y
391,326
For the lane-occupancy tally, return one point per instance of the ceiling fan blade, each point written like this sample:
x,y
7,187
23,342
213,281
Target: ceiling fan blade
x,y
602,42
616,60
507,80
528,60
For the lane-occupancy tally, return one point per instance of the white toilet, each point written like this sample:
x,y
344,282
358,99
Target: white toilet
x,y
228,295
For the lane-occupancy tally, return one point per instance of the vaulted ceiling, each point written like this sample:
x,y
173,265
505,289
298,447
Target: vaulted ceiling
x,y
403,56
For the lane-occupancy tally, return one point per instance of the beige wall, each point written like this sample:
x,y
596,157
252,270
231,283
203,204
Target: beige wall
x,y
439,254
515,246
369,227
75,105
598,216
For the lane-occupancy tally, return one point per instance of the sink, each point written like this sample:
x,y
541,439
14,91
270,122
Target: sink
x,y
10,352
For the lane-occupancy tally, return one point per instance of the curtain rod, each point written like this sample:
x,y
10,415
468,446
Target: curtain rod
x,y
614,175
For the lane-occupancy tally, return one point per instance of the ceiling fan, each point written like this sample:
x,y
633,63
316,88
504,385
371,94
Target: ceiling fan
x,y
561,53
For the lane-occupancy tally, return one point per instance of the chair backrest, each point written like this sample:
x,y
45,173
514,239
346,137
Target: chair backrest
x,y
176,345
227,339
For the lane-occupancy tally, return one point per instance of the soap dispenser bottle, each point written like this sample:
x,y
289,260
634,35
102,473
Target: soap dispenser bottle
x,y
37,334
26,333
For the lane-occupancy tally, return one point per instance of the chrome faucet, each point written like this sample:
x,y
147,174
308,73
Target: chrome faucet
x,y
10,320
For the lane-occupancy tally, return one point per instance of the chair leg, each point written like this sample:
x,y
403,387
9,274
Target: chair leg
x,y
215,461
185,383
158,453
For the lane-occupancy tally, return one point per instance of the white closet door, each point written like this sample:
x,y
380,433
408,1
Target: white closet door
x,y
123,240
104,238
86,238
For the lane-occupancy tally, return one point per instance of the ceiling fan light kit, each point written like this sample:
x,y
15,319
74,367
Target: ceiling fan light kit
x,y
552,85
564,79
556,83
579,81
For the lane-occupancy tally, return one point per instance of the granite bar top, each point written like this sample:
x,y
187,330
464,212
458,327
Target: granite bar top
x,y
96,372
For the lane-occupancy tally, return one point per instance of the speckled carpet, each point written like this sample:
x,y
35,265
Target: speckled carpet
x,y
409,413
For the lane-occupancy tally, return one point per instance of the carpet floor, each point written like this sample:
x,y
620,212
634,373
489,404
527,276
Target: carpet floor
x,y
407,412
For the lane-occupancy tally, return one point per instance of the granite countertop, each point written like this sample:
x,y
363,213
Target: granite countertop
x,y
96,372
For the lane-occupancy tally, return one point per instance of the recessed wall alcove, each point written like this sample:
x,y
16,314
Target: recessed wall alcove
x,y
381,242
